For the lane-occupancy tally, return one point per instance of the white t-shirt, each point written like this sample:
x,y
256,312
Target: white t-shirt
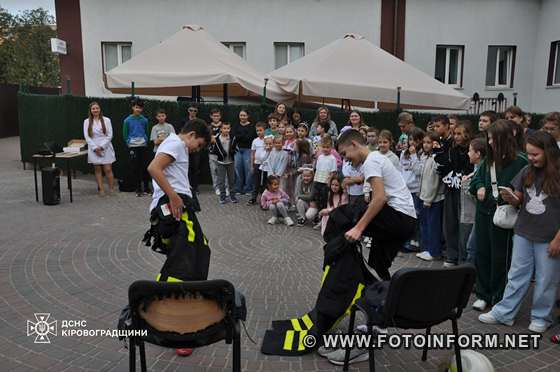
x,y
177,173
398,196
326,164
258,147
350,171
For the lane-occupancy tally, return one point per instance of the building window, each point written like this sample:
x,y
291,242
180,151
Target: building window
x,y
500,66
237,47
285,53
449,64
115,54
554,64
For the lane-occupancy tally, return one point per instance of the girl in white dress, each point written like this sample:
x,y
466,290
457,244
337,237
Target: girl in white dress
x,y
98,133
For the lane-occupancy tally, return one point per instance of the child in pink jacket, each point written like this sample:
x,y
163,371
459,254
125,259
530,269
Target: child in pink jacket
x,y
276,201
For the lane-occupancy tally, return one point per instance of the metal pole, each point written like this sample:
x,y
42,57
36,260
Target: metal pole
x,y
264,91
398,99
132,89
515,98
225,92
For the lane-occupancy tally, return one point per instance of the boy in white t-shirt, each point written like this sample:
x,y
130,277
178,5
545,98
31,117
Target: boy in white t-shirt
x,y
186,247
258,154
325,168
390,217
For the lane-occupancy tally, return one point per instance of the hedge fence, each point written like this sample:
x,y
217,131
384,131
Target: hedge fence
x,y
59,119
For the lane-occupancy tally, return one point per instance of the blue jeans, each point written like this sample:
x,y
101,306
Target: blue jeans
x,y
527,256
430,228
243,172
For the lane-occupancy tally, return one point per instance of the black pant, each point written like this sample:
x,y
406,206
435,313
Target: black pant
x,y
194,170
260,182
138,160
389,230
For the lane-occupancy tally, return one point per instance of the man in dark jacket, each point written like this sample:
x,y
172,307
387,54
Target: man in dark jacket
x,y
224,148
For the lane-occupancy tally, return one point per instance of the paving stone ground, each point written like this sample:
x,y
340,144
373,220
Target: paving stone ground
x,y
75,261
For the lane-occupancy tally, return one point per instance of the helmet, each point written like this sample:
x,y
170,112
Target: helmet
x,y
472,361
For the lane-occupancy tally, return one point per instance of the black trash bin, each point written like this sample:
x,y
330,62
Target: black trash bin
x,y
50,178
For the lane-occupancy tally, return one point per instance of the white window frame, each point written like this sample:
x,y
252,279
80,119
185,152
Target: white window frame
x,y
232,45
555,65
289,46
460,49
120,45
510,55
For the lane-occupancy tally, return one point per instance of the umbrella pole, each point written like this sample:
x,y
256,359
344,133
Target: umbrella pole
x,y
398,99
225,98
132,89
264,91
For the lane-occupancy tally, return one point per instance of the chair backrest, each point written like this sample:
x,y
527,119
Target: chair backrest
x,y
422,297
183,314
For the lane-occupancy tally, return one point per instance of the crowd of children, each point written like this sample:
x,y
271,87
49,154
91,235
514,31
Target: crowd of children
x,y
457,177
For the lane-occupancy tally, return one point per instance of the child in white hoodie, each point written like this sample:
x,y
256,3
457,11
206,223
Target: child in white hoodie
x,y
412,162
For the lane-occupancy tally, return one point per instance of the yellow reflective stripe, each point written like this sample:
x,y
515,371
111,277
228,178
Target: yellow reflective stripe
x,y
325,273
205,240
190,229
307,321
295,325
357,295
302,335
169,278
289,340
165,241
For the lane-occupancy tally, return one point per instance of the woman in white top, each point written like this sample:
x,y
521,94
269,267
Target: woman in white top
x,y
98,133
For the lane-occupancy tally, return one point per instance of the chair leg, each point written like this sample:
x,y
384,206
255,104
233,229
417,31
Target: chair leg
x,y
350,330
142,350
132,354
236,350
425,351
371,353
457,350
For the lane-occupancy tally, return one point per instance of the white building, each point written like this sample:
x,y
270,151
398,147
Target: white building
x,y
483,46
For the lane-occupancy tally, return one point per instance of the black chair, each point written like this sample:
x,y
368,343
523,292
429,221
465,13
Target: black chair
x,y
417,298
185,315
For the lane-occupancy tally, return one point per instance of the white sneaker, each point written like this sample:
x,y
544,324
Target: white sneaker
x,y
288,221
272,220
415,243
356,355
426,256
538,328
218,192
317,226
449,264
488,318
479,305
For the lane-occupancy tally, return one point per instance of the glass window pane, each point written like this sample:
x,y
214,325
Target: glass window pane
x,y
491,67
296,51
111,57
503,66
440,64
126,52
453,65
557,68
238,49
280,55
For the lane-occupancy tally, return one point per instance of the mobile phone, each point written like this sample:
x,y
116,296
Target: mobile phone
x,y
509,191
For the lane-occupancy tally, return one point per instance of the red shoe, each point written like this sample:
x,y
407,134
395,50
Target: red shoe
x,y
184,351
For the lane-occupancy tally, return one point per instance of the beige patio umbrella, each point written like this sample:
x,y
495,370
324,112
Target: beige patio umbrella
x,y
190,57
355,70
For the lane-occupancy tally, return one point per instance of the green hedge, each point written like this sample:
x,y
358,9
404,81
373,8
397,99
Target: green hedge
x,y
59,118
